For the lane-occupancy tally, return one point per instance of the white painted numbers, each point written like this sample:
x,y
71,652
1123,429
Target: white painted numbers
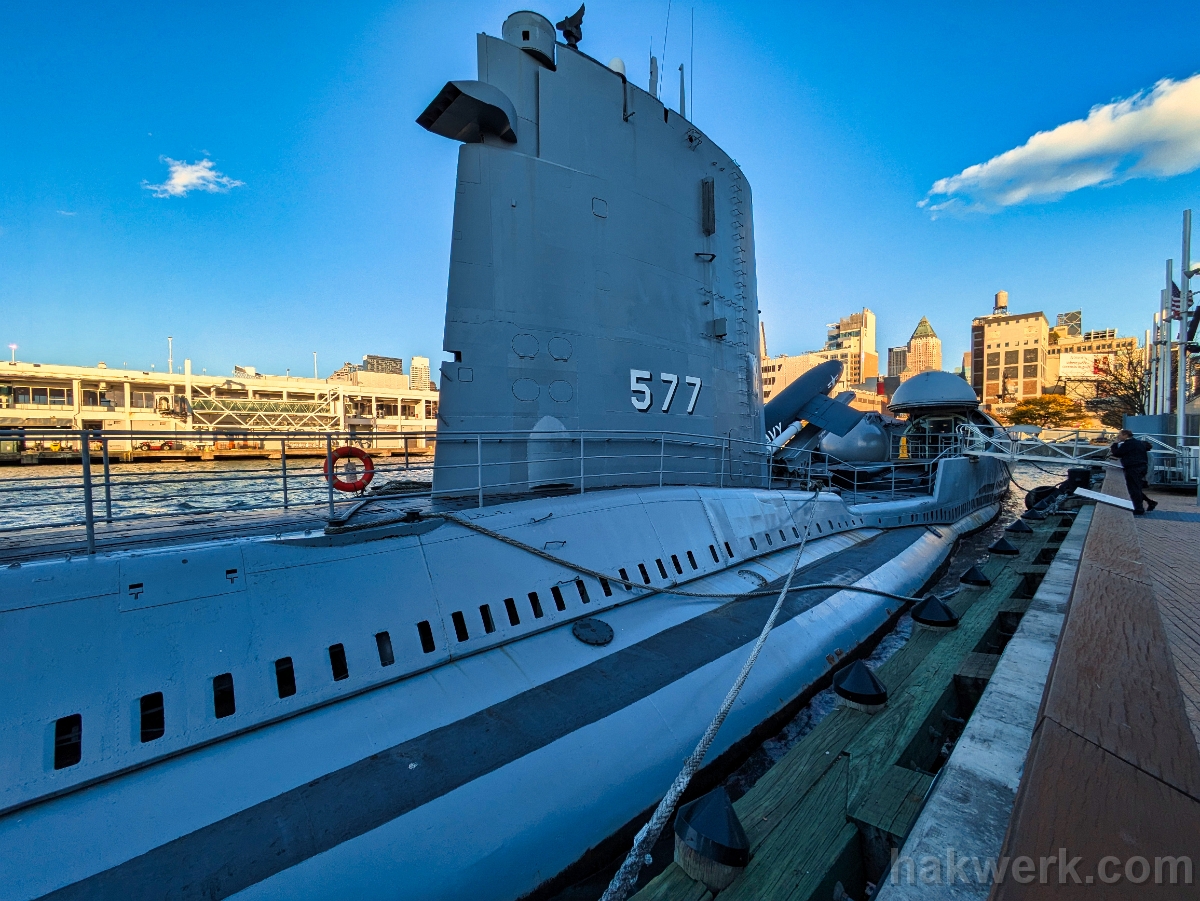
x,y
642,398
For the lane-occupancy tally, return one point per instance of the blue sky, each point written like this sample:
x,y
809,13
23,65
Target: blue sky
x,y
332,229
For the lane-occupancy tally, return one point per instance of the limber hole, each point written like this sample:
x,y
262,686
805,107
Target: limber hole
x,y
536,605
153,721
223,701
675,563
770,543
559,603
583,592
712,550
337,662
624,577
510,605
753,543
426,633
460,625
645,575
692,560
728,550
485,613
605,587
68,741
661,569
383,643
285,677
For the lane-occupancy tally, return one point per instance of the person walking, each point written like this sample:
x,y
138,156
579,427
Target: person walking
x,y
1132,452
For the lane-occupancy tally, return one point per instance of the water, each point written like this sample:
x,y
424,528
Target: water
x,y
52,494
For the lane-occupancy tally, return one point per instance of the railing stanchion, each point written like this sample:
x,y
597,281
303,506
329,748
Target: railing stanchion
x,y
85,457
283,469
329,468
581,458
479,465
107,481
406,453
662,451
721,481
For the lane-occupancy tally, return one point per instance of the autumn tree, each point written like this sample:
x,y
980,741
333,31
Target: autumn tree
x,y
1122,390
1050,411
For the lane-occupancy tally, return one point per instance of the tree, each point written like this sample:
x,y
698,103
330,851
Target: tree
x,y
1122,390
1050,411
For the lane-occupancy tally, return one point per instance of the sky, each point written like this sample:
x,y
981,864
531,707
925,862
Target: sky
x,y
249,179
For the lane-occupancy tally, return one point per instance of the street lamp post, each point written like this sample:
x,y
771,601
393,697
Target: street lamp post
x,y
13,348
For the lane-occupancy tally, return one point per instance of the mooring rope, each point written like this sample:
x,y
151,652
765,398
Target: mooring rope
x,y
627,875
673,588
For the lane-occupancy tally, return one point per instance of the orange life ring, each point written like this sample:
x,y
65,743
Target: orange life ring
x,y
357,453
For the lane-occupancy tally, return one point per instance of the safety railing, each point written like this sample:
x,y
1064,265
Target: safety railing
x,y
127,475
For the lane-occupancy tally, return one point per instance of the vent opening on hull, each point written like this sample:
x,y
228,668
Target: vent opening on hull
x,y
337,662
485,614
153,720
675,563
645,575
624,576
285,677
692,560
753,544
383,643
712,550
426,633
68,741
728,550
582,589
795,531
510,605
559,603
460,625
223,701
605,587
770,543
535,605
662,569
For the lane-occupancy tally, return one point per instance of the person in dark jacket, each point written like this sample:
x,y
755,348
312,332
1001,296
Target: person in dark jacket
x,y
1132,452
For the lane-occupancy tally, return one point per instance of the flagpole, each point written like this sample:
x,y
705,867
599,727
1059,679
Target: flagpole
x,y
1185,264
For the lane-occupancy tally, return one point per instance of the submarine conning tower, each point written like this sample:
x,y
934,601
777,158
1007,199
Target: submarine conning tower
x,y
602,281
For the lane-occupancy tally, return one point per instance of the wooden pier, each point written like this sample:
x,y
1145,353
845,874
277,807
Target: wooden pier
x,y
830,813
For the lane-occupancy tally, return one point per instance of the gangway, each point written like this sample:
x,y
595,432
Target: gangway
x,y
1170,462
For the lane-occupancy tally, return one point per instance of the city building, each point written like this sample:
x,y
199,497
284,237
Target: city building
x,y
1008,356
851,339
375,396
897,361
1076,361
923,353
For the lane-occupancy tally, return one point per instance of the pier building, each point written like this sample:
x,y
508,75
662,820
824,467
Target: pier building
x,y
375,396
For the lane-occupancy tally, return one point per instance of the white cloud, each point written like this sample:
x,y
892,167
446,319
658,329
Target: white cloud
x,y
65,213
1154,134
183,178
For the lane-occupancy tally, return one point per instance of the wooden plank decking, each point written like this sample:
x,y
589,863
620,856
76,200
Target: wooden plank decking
x,y
1113,769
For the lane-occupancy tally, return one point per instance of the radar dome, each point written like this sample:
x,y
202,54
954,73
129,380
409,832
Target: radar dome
x,y
930,390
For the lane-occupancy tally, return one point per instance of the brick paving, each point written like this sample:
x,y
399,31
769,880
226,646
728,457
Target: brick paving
x,y
1170,543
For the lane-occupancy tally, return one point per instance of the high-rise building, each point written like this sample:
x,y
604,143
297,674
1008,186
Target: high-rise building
x,y
897,360
924,350
1008,355
851,340
1071,323
418,372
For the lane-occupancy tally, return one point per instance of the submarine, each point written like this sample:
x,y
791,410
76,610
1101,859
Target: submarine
x,y
469,699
